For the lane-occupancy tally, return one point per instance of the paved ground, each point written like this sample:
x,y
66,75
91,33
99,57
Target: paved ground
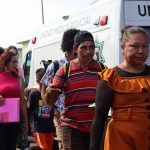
x,y
31,144
31,139
55,144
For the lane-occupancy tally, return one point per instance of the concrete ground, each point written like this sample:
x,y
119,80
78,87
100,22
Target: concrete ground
x,y
31,140
31,144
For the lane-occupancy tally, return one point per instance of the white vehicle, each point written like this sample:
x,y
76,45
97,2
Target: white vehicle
x,y
104,19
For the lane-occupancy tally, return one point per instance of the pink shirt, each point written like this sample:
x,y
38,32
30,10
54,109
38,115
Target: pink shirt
x,y
9,85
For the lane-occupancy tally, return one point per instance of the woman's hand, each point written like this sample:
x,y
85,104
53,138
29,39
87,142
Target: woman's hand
x,y
1,100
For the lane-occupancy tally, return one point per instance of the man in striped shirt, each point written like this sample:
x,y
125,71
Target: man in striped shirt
x,y
80,92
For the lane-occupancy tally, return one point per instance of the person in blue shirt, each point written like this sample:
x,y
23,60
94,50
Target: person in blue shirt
x,y
41,116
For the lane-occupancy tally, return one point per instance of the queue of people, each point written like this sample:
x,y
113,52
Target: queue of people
x,y
79,82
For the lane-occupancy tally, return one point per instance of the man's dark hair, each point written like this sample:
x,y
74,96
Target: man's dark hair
x,y
83,36
68,40
39,73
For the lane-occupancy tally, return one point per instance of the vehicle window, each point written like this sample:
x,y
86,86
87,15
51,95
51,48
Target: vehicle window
x,y
26,67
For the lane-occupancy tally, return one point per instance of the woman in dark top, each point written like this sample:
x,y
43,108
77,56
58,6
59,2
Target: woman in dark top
x,y
126,90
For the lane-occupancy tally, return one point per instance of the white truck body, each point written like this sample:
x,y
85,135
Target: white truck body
x,y
116,14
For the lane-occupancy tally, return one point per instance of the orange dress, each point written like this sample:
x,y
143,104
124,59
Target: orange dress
x,y
129,128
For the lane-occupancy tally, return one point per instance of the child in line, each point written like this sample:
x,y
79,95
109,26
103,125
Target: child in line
x,y
41,116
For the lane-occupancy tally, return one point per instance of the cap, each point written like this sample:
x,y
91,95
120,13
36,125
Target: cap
x,y
82,36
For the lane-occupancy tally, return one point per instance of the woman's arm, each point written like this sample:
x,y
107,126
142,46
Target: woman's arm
x,y
23,105
104,97
1,100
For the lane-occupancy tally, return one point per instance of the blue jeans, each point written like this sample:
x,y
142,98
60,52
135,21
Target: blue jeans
x,y
74,139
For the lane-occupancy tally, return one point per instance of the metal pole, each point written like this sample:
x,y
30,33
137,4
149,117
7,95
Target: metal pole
x,y
42,12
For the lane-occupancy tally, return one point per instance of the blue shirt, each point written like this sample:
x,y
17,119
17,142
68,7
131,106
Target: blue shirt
x,y
41,116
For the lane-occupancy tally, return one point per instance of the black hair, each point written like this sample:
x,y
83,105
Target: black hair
x,y
39,73
1,50
81,37
68,40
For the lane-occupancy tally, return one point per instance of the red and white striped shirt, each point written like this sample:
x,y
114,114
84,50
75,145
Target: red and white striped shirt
x,y
80,92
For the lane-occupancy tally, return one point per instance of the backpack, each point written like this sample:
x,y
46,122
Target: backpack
x,y
67,72
102,66
46,63
56,66
67,69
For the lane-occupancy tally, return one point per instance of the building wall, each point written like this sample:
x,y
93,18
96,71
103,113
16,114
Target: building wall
x,y
22,51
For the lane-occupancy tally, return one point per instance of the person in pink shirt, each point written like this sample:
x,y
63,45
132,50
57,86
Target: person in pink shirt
x,y
14,50
11,86
21,142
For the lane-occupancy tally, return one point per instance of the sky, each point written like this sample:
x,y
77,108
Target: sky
x,y
20,18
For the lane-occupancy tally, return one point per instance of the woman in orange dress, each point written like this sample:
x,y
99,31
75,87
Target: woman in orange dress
x,y
126,90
